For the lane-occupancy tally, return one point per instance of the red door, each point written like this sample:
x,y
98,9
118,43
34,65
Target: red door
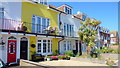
x,y
11,51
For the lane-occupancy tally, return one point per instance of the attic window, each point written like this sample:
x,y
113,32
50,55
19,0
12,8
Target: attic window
x,y
68,10
44,2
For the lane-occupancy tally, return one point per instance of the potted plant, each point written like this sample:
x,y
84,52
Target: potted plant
x,y
48,58
54,57
60,57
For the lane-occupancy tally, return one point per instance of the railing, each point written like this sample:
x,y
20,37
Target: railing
x,y
9,24
40,29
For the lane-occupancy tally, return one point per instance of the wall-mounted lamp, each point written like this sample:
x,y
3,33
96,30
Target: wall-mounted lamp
x,y
1,41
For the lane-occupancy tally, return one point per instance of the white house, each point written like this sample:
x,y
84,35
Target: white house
x,y
10,19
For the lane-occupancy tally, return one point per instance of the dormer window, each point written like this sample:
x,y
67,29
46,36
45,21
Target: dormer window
x,y
68,9
44,2
83,17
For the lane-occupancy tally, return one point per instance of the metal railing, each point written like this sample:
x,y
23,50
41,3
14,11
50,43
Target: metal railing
x,y
9,24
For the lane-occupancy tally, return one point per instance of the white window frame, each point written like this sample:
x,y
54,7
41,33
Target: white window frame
x,y
46,53
67,10
41,24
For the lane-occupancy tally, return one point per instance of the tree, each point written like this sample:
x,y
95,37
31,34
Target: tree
x,y
87,32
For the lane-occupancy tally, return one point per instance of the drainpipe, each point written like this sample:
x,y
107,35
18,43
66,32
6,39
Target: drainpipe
x,y
63,37
59,44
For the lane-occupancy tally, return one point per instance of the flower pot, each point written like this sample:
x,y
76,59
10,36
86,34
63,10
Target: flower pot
x,y
48,59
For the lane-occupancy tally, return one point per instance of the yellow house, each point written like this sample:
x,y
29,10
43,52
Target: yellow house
x,y
37,18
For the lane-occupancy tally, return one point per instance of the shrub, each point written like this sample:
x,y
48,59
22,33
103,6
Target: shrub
x,y
69,53
78,54
66,57
98,51
60,56
107,50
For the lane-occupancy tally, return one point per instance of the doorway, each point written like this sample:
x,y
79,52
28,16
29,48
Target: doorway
x,y
24,48
78,47
11,50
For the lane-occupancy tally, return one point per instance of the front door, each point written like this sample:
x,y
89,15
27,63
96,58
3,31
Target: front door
x,y
11,51
80,48
23,48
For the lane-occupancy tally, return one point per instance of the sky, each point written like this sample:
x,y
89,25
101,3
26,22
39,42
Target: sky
x,y
106,12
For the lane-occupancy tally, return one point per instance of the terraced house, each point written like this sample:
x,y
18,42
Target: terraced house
x,y
28,27
34,27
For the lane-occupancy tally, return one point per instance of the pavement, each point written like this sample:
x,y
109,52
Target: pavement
x,y
70,63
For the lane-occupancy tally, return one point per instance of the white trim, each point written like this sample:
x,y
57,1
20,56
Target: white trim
x,y
42,46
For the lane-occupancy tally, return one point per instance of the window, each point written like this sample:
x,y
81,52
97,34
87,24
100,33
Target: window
x,y
39,24
65,29
1,12
1,16
67,45
33,24
44,46
12,47
43,25
68,30
39,47
83,17
68,10
72,30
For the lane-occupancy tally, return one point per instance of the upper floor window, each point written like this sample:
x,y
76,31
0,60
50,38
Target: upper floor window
x,y
39,24
83,17
44,2
68,30
1,12
68,10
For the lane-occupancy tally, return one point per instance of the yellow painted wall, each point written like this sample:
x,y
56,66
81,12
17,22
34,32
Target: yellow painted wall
x,y
32,41
29,9
54,45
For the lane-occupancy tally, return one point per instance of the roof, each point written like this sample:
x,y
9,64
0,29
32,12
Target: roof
x,y
55,8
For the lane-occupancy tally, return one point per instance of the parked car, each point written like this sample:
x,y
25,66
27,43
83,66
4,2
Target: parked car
x,y
2,64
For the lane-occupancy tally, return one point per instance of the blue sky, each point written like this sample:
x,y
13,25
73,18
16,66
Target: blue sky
x,y
107,12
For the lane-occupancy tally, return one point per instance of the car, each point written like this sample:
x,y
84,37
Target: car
x,y
2,64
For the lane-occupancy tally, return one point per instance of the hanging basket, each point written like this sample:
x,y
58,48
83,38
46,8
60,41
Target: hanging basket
x,y
2,43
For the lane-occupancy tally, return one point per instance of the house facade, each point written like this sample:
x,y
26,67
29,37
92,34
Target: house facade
x,y
38,17
10,25
104,37
68,26
114,37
